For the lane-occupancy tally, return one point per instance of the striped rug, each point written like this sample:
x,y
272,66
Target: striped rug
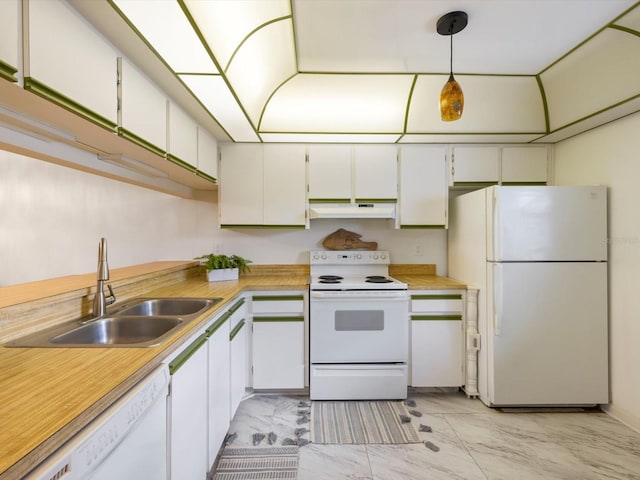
x,y
361,422
258,463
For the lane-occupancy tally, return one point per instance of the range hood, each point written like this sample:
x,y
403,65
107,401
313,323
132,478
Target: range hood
x,y
352,210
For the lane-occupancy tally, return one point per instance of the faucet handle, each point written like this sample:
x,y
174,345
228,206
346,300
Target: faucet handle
x,y
112,296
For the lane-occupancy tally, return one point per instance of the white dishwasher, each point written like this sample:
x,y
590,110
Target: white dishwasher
x,y
126,442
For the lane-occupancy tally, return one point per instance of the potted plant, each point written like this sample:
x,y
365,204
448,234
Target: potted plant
x,y
221,267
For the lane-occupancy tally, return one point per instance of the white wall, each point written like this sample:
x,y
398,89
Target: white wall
x,y
52,218
609,155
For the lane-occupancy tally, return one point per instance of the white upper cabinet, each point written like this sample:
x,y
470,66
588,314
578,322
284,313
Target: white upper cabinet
x,y
262,185
241,185
329,172
144,109
524,164
183,136
69,63
475,165
284,185
376,173
9,53
423,186
207,153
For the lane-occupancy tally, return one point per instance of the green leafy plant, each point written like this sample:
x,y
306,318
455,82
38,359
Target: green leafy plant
x,y
218,261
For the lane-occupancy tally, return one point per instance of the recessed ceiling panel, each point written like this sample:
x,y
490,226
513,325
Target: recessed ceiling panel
x,y
602,72
506,37
492,104
263,62
226,23
212,91
313,103
168,30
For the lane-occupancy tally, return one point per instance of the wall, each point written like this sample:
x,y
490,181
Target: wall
x,y
53,217
609,155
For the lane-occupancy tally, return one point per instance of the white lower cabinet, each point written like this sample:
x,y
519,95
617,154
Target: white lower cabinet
x,y
188,412
238,353
437,340
278,346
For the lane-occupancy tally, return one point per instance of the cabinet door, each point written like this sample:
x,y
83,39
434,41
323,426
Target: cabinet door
x,y
524,165
423,186
376,173
436,351
238,355
241,185
188,412
144,109
219,409
183,136
278,352
68,58
475,165
330,172
9,53
207,153
284,185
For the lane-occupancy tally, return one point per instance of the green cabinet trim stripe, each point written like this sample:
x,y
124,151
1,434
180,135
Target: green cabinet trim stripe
x,y
437,297
181,163
277,319
329,200
206,176
236,329
8,71
229,225
376,200
474,184
415,227
236,306
217,324
186,354
435,317
33,85
523,184
276,298
132,137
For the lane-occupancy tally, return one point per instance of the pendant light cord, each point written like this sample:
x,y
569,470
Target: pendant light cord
x,y
451,52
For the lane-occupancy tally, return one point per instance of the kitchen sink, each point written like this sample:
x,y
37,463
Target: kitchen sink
x,y
141,322
119,330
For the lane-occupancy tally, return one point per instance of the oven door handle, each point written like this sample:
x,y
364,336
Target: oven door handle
x,y
351,295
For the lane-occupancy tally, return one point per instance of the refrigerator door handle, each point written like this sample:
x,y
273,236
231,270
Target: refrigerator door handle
x,y
497,298
496,240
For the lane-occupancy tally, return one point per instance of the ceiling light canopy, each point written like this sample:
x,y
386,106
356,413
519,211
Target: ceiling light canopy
x,y
451,96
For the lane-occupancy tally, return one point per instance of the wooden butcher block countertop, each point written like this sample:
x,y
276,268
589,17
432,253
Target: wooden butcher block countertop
x,y
47,395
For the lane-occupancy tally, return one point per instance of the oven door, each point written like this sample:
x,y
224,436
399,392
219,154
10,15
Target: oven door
x,y
359,326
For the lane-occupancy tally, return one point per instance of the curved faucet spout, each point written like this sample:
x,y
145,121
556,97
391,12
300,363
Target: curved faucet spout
x,y
100,301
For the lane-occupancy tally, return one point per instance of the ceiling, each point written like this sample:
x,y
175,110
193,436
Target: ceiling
x,y
372,70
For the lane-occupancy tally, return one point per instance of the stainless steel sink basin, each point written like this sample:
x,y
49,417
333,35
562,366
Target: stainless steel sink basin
x,y
119,330
141,322
177,306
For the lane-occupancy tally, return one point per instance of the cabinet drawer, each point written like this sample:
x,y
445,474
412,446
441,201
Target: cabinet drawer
x,y
277,304
437,303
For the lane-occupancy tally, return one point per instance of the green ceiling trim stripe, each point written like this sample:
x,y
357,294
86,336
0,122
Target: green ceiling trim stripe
x,y
194,25
545,105
39,88
250,34
298,132
399,138
266,104
406,113
293,35
8,71
626,30
609,25
260,226
426,74
289,132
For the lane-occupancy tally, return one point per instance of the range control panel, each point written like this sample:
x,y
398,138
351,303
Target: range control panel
x,y
349,257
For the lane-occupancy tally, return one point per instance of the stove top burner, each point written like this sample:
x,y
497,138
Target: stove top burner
x,y
330,277
330,281
378,279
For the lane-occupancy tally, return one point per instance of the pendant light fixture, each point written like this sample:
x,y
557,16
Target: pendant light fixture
x,y
451,96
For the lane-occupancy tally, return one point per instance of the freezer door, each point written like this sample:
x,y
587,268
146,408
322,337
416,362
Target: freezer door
x,y
559,223
547,334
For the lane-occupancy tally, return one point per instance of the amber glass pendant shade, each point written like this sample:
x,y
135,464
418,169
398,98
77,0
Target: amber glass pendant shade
x,y
451,101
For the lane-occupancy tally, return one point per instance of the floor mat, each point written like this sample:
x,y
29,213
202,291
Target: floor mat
x,y
257,463
384,422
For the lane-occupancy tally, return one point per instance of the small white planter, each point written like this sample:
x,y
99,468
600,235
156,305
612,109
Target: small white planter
x,y
222,274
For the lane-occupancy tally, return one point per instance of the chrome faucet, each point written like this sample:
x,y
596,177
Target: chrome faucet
x,y
100,301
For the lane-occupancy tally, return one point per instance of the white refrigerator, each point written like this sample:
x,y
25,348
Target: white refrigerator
x,y
538,256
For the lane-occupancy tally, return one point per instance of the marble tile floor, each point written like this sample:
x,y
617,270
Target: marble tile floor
x,y
474,442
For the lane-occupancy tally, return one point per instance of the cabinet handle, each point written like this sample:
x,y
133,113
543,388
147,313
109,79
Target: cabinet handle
x,y
236,329
278,319
435,317
497,298
276,298
437,297
187,353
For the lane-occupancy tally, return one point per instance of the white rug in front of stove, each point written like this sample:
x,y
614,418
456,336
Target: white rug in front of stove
x,y
361,422
258,463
